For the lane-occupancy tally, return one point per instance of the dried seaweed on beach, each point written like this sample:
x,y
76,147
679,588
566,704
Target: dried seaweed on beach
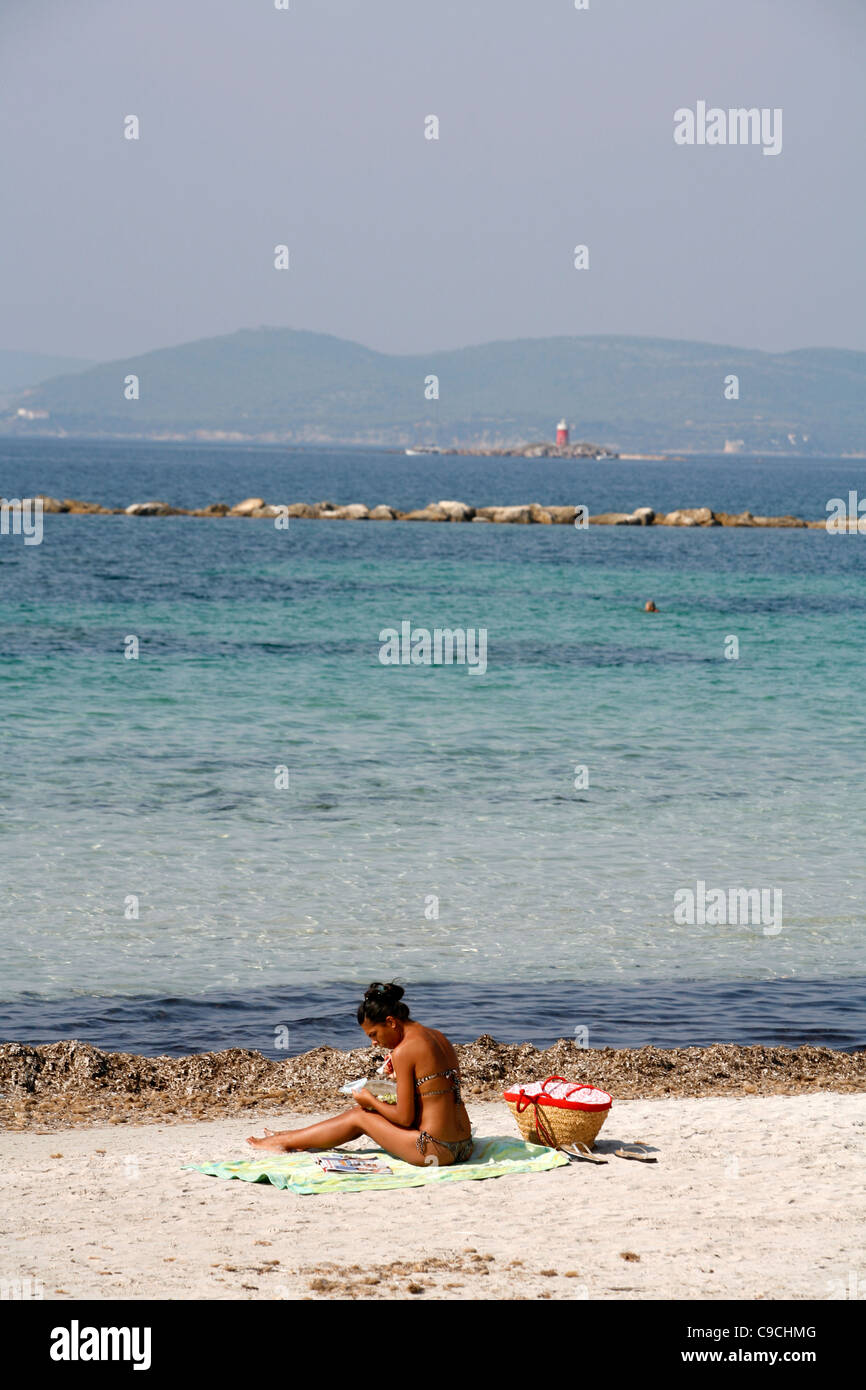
x,y
68,1084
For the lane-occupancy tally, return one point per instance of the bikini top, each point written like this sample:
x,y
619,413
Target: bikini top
x,y
455,1084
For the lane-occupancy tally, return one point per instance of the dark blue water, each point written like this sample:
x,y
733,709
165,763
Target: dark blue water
x,y
117,472
828,1013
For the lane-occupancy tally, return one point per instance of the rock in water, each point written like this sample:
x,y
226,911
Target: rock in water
x,y
249,505
540,514
561,516
521,516
355,511
457,511
690,516
433,512
150,509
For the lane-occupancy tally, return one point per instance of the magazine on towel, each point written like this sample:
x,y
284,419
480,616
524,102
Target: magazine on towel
x,y
351,1163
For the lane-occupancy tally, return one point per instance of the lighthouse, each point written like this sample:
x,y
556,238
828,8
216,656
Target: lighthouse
x,y
561,434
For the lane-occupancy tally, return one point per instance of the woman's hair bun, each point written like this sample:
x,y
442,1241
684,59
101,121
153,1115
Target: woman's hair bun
x,y
382,1000
379,992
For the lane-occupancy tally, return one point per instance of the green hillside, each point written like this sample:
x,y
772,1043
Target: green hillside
x,y
629,393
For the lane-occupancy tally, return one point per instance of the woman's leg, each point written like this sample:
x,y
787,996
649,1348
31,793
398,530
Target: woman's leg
x,y
402,1143
351,1124
327,1134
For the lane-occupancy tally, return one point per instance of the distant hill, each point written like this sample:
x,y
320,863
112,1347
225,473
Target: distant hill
x,y
19,370
627,393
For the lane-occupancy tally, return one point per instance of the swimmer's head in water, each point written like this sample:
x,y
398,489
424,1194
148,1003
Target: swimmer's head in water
x,y
381,1015
649,607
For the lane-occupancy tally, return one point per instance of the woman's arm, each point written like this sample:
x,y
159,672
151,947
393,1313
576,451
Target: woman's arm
x,y
381,1107
403,1113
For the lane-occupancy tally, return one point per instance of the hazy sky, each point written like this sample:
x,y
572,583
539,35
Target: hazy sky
x,y
306,127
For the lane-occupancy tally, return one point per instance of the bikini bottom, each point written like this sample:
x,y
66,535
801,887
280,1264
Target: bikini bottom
x,y
460,1148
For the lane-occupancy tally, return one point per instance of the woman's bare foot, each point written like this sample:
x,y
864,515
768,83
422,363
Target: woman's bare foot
x,y
271,1141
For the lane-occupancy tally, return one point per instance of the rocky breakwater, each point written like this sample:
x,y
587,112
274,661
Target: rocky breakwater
x,y
523,514
697,516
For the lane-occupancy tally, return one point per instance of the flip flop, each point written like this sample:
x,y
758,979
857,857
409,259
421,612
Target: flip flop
x,y
644,1157
580,1150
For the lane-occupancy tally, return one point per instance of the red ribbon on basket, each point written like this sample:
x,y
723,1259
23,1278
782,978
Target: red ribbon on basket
x,y
541,1126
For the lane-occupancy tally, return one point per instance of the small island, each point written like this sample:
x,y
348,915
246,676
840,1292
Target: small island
x,y
581,449
561,448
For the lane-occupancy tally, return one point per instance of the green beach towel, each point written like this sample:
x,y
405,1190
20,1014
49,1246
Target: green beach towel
x,y
495,1157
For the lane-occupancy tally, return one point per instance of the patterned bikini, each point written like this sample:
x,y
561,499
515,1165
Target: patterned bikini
x,y
460,1148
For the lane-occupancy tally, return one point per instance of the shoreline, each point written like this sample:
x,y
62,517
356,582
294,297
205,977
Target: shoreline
x,y
71,1084
529,513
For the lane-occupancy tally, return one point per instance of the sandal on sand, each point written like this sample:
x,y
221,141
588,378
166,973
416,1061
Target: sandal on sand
x,y
643,1157
580,1150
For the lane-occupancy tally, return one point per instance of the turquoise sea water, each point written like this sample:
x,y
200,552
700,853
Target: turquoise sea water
x,y
431,829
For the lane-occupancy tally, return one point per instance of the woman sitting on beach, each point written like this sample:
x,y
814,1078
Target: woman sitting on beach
x,y
429,1124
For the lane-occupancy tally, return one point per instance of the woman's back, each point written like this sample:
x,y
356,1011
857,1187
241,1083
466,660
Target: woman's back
x,y
426,1060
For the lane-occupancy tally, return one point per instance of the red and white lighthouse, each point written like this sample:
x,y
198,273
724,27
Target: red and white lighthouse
x,y
561,433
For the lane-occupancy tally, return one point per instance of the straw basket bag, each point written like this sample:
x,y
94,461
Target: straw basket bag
x,y
557,1112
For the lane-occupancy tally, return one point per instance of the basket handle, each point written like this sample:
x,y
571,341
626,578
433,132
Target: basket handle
x,y
575,1085
524,1100
545,1083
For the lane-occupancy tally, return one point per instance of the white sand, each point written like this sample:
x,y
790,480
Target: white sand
x,y
752,1197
